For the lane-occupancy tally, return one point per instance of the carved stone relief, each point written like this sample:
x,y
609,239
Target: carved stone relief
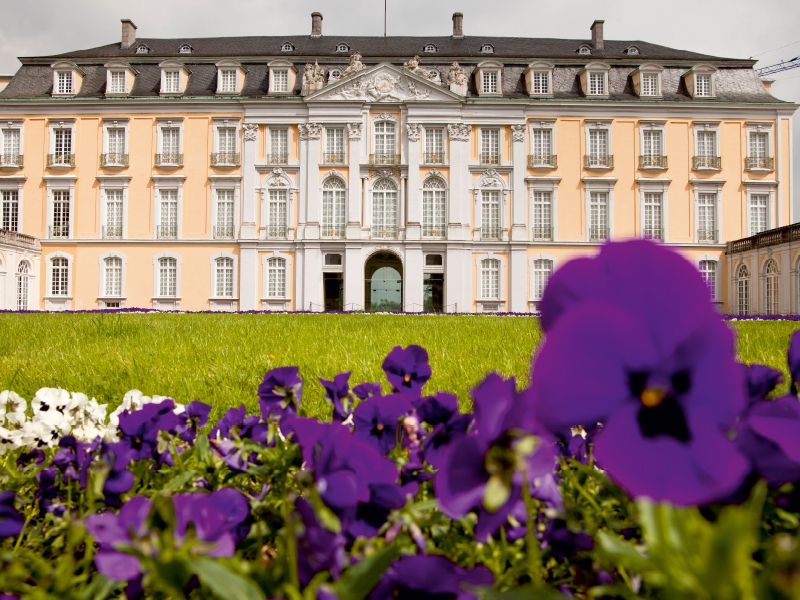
x,y
431,75
490,178
313,78
381,87
457,79
278,178
518,133
250,132
414,130
354,130
459,132
387,117
310,131
388,173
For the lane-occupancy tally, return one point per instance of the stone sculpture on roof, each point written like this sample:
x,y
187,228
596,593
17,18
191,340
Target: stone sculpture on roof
x,y
413,66
313,78
457,79
354,67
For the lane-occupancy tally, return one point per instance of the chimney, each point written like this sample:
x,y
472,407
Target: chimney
x,y
597,35
316,24
128,33
768,84
458,25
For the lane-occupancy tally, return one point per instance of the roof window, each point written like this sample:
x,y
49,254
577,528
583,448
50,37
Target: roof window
x,y
185,49
342,48
584,49
430,48
632,50
142,49
287,47
487,49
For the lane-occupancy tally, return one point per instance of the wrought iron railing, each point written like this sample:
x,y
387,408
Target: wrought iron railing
x,y
489,158
384,231
224,232
431,231
384,159
489,232
112,232
433,158
166,232
707,236
652,161
64,159
225,159
11,160
333,158
332,231
765,239
114,159
764,163
595,161
20,239
650,233
598,234
169,160
542,233
276,232
278,159
542,160
706,162
58,231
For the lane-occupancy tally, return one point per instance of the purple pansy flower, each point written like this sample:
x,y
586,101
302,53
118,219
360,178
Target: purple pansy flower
x,y
633,342
337,392
425,576
562,541
74,458
279,394
139,428
365,390
794,359
441,412
317,548
407,369
769,435
367,519
236,422
113,530
194,417
218,518
375,420
35,456
119,480
761,380
11,521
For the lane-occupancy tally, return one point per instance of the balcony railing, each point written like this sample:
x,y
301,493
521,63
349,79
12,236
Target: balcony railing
x,y
225,159
64,159
333,158
11,160
384,159
765,239
764,163
429,231
489,158
598,161
652,161
542,160
114,160
542,233
489,232
169,160
223,232
167,232
706,162
276,232
433,158
58,231
19,239
278,159
112,232
707,236
650,233
384,231
598,234
332,231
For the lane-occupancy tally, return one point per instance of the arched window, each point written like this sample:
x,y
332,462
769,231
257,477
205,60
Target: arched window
x,y
487,49
430,48
334,74
223,275
185,49
384,209
276,278
23,281
333,203
112,276
490,214
59,277
342,48
490,279
632,50
434,203
287,47
743,291
142,49
167,277
542,269
772,288
708,269
584,50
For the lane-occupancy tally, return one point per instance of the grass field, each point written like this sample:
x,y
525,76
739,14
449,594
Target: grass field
x,y
221,359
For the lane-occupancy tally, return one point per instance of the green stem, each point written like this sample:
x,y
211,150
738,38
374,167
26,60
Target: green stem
x,y
534,551
24,527
291,546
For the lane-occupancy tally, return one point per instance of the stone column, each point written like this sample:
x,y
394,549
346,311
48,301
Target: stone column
x,y
249,228
353,279
414,215
311,132
312,278
412,278
518,279
354,181
459,199
248,278
519,231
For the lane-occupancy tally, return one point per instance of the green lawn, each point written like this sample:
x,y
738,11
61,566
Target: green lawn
x,y
220,359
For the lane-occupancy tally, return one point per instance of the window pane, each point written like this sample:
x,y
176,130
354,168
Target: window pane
x,y
708,269
279,141
652,143
434,141
334,140
706,143
541,142
276,278
649,85
758,213
490,278
11,142
226,140
168,276
702,85
10,210
116,141
113,276
542,269
758,145
597,84
63,142
490,82
224,277
228,83
60,277
541,83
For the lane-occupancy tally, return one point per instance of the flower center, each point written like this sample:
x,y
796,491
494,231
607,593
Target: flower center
x,y
652,397
379,426
407,378
660,412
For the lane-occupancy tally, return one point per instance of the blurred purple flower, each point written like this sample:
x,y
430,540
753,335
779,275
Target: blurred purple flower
x,y
111,531
337,392
433,577
375,420
365,390
633,342
218,518
47,494
74,458
407,369
119,479
769,435
793,357
35,456
279,394
441,412
317,548
11,521
761,380
194,417
139,428
368,517
562,541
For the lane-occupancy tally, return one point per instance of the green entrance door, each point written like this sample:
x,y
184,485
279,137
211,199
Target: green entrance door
x,y
383,280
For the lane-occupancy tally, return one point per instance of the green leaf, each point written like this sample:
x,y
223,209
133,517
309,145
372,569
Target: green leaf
x,y
359,579
223,583
179,481
524,593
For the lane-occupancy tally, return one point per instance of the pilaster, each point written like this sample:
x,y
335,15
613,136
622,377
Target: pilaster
x,y
518,199
353,279
353,228
412,278
414,215
248,278
518,279
311,132
458,200
249,198
312,278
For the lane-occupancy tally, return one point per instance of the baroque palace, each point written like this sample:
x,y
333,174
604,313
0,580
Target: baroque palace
x,y
382,173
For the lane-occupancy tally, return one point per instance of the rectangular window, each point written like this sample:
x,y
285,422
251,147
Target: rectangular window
x,y
276,212
707,218
541,82
384,209
113,277
59,277
228,80
10,215
490,82
542,146
490,215
385,140
490,146
172,82
651,143
281,80
598,143
116,141
653,216
758,145
60,213
169,214
63,144
116,82
702,85
224,226
434,145
542,216
598,216
276,278
224,277
433,212
333,201
226,140
759,204
490,279
334,145
650,84
11,146
597,84
708,270
542,269
170,142
167,277
65,82
707,144
279,144
113,226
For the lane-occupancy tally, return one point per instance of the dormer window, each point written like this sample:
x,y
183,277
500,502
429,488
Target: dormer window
x,y
287,47
594,79
334,75
174,77
647,81
430,48
597,84
67,78
700,81
64,82
230,77
487,49
119,78
702,87
116,82
489,78
539,79
281,77
185,49
632,50
342,48
172,82
142,49
584,50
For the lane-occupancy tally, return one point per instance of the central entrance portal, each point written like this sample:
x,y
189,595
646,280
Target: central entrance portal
x,y
383,281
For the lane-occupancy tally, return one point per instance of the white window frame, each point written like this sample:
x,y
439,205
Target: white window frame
x,y
424,140
649,126
548,185
102,297
76,74
117,66
291,73
14,184
707,186
162,184
737,280
59,302
489,66
430,49
166,302
398,216
716,298
223,303
172,66
422,189
707,127
226,123
763,128
115,184
238,78
690,78
595,69
65,124
228,184
500,144
533,298
487,49
273,302
277,180
116,123
398,138
490,181
31,293
322,189
585,50
638,80
541,125
169,123
16,125
761,189
538,68
595,125
60,183
342,47
502,281
287,47
324,145
654,186
603,185
289,140
763,279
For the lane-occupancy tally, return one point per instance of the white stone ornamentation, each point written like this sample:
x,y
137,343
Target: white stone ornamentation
x,y
383,173
518,133
413,66
277,179
457,80
414,130
387,117
354,67
490,178
250,132
313,78
310,131
459,132
381,87
354,130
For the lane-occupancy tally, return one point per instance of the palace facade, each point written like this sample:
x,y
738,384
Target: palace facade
x,y
328,172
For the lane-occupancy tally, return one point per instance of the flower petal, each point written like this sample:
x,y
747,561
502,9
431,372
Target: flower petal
x,y
461,479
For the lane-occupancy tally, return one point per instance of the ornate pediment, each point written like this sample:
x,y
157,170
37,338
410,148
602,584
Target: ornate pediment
x,y
383,83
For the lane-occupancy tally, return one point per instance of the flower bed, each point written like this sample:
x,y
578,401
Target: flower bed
x,y
642,461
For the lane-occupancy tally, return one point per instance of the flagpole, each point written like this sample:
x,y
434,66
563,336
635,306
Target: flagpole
x,y
384,18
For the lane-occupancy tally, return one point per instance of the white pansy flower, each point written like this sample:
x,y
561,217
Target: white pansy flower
x,y
12,409
50,399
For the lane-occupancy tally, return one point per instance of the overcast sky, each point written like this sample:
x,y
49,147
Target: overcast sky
x,y
733,28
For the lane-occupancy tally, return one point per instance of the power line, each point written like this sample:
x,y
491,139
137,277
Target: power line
x,y
760,53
